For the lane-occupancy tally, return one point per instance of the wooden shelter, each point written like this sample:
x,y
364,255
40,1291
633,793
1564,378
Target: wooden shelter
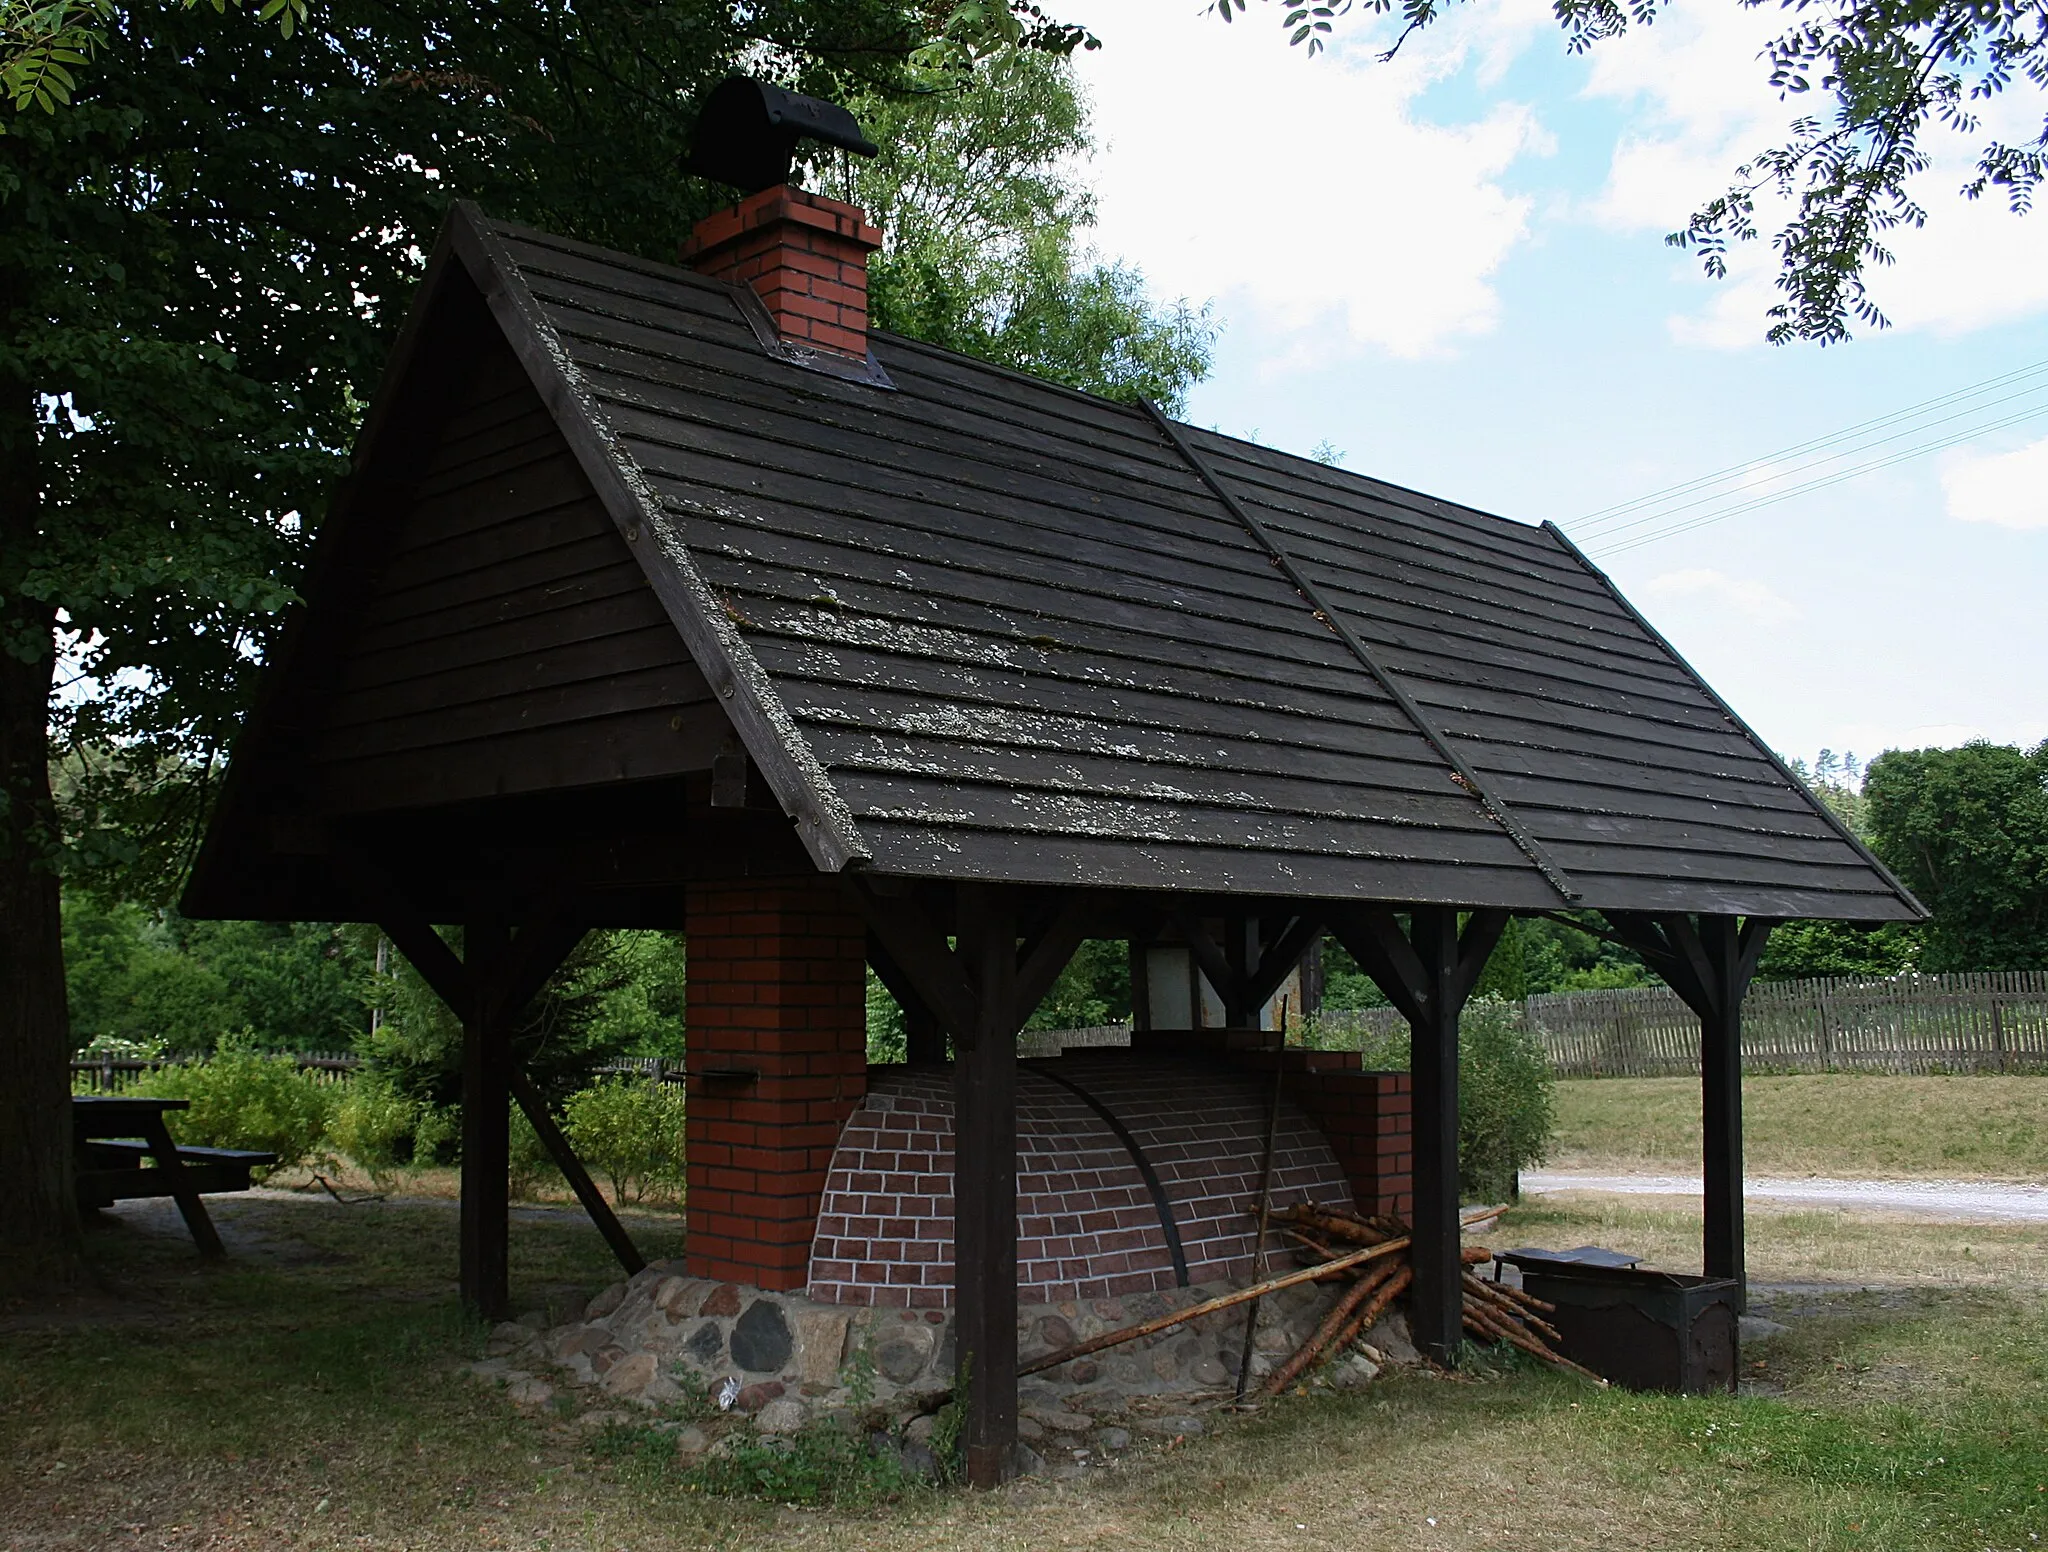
x,y
674,597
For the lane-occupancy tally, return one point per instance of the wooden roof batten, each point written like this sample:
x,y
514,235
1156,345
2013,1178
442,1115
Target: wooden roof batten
x,y
975,627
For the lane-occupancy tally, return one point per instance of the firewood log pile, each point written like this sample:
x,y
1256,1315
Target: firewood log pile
x,y
1372,1253
1493,1312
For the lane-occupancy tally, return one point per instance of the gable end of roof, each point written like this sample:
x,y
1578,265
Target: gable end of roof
x,y
800,784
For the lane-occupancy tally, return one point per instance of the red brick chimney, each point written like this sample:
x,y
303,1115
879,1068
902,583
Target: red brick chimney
x,y
806,258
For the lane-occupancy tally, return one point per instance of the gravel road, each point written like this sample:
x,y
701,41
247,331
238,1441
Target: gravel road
x,y
1924,1198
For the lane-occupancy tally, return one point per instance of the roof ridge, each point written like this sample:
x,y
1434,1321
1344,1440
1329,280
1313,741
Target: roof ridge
x,y
1495,807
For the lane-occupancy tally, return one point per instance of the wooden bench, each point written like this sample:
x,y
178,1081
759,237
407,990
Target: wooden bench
x,y
110,1155
116,1169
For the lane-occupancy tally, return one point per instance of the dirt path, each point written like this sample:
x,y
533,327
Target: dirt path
x,y
1969,1199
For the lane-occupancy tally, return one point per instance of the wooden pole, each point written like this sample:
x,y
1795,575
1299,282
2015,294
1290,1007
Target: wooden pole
x,y
1721,1100
1251,1317
985,1188
1435,1303
486,1124
1172,1318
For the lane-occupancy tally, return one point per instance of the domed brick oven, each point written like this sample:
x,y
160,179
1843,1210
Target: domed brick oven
x,y
1137,1171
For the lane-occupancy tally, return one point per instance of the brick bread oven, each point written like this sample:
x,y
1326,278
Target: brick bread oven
x,y
1088,1222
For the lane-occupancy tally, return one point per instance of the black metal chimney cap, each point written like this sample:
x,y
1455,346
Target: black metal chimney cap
x,y
747,132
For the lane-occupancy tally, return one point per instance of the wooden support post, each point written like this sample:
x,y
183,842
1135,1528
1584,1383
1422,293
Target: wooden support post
x,y
985,1188
981,994
1436,1304
1141,982
486,1125
1240,953
488,987
1244,970
1721,1101
1709,963
1428,972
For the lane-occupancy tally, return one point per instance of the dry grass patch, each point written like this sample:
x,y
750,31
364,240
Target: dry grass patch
x,y
306,1396
1839,1124
1788,1244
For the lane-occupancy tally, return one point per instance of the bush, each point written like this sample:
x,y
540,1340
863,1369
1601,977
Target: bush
x,y
1504,1089
1504,1097
240,1098
383,1132
630,1130
532,1166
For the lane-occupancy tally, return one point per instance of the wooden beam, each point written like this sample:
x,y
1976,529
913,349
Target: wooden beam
x,y
1709,963
1051,951
985,1188
486,1126
1209,958
537,952
919,950
1428,972
1278,962
1436,1300
924,1038
1374,938
536,1107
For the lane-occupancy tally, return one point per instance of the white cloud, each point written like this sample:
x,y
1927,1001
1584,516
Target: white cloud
x,y
1702,105
1743,595
2008,489
1307,195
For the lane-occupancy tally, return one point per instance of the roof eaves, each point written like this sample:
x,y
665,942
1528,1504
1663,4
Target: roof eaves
x,y
774,742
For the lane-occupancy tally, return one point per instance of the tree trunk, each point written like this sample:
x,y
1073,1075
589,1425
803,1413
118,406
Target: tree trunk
x,y
38,1217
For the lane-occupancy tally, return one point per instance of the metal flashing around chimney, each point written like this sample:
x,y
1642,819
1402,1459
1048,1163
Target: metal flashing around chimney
x,y
830,362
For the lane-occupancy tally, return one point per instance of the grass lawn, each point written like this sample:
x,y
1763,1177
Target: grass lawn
x,y
1840,1124
304,1395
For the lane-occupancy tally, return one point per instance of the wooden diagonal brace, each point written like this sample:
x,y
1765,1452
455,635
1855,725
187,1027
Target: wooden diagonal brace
x,y
1048,954
1278,962
557,1144
922,954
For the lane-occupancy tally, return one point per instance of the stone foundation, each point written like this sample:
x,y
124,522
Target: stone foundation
x,y
785,1360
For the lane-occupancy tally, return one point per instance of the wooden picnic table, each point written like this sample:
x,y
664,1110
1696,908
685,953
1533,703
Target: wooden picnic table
x,y
113,1135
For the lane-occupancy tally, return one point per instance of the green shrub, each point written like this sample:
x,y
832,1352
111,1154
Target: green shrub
x,y
240,1098
1504,1088
385,1133
531,1165
630,1131
1504,1097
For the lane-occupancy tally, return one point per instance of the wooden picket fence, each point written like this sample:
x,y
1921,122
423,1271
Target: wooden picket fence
x,y
1988,1021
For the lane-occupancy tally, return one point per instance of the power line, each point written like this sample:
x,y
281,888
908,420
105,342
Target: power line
x,y
1603,518
1837,478
1809,465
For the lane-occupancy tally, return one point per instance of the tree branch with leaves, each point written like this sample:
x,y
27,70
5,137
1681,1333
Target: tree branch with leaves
x,y
1889,69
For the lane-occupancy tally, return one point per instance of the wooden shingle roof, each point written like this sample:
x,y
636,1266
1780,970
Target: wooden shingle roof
x,y
972,625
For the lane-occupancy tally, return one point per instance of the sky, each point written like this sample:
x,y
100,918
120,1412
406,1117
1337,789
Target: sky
x,y
1451,270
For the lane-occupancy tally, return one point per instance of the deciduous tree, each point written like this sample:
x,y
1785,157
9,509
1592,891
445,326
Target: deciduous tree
x,y
1866,82
1967,830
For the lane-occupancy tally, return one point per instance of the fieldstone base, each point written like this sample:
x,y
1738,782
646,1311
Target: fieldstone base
x,y
785,1361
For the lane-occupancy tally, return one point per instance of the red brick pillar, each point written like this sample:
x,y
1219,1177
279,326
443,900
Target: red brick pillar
x,y
777,1042
1369,1119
